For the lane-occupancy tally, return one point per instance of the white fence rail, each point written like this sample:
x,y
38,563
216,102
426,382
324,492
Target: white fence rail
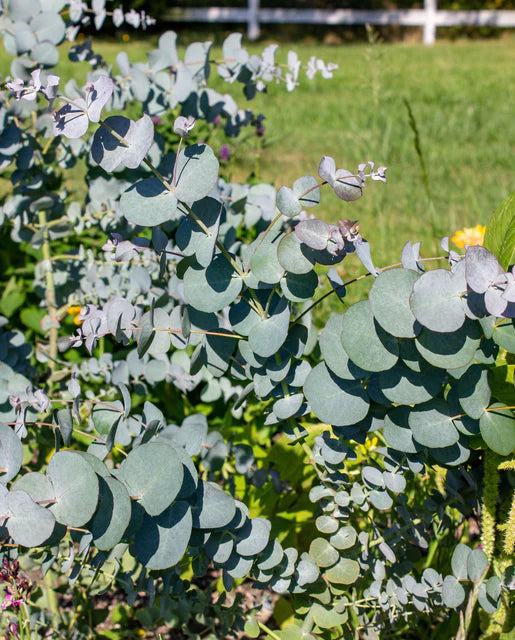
x,y
429,17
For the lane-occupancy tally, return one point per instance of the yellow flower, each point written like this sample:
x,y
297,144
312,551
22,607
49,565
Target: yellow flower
x,y
126,37
469,235
74,310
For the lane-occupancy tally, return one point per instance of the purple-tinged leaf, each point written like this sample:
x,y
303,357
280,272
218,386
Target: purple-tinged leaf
x,y
327,169
346,186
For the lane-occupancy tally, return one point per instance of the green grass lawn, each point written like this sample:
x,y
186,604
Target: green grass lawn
x,y
462,97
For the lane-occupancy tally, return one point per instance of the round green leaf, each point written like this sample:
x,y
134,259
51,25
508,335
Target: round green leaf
x,y
474,391
75,486
271,556
454,455
237,566
294,256
287,203
396,482
334,354
397,432
153,475
266,337
46,54
253,536
29,524
307,571
113,514
299,288
346,186
148,203
213,288
328,618
192,240
477,562
333,400
213,508
251,627
264,262
381,500
323,553
196,171
453,594
105,417
489,594
345,571
293,632
366,344
326,524
404,386
11,453
389,299
344,538
224,547
497,428
450,350
286,407
303,184
36,485
431,424
436,301
161,541
109,152
23,10
243,317
459,561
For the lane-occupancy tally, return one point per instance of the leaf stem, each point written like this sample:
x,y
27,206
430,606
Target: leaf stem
x,y
466,619
268,631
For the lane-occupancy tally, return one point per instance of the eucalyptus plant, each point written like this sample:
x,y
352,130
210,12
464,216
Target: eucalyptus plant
x,y
207,287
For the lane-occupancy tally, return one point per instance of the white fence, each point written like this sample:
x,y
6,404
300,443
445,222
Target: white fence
x,y
429,17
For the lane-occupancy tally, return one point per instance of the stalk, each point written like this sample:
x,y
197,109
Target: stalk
x,y
50,297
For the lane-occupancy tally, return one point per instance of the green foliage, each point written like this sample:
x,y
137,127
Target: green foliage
x,y
207,426
500,232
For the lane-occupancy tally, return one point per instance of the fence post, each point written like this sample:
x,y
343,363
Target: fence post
x,y
430,21
253,19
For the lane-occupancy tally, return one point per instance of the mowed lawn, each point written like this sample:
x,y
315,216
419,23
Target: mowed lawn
x,y
462,96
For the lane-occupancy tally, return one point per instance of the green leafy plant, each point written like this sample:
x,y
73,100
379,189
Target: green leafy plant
x,y
194,376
